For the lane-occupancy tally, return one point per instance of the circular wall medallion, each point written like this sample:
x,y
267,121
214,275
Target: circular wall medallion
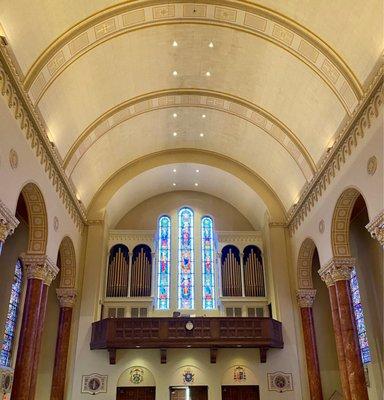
x,y
321,226
13,159
372,165
56,224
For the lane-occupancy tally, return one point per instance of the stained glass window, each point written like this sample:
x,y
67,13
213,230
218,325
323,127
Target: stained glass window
x,y
164,232
207,256
11,321
359,318
186,267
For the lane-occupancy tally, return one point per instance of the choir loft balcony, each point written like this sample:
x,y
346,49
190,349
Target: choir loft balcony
x,y
186,332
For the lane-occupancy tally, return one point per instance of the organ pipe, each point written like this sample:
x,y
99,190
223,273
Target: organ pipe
x,y
141,272
118,270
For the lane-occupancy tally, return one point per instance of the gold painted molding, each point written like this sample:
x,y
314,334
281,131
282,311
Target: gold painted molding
x,y
191,98
349,138
30,123
240,15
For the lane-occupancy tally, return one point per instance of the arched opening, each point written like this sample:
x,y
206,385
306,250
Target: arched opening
x,y
231,271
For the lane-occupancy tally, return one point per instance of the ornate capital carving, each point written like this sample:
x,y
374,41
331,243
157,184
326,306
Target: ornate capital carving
x,y
376,228
67,297
305,297
39,266
8,222
337,269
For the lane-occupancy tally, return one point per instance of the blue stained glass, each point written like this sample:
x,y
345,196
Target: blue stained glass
x,y
208,263
10,324
359,318
186,270
164,232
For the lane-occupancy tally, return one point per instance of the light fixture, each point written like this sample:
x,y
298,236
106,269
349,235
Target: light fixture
x,y
174,169
207,73
196,184
174,115
174,44
137,347
210,45
201,134
174,73
174,133
197,170
203,116
174,184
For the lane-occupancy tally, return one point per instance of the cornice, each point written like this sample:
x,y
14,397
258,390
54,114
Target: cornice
x,y
350,136
31,124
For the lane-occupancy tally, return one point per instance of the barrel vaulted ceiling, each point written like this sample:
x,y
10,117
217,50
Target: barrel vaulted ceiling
x,y
266,85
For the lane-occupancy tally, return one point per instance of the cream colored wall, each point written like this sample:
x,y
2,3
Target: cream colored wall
x,y
145,215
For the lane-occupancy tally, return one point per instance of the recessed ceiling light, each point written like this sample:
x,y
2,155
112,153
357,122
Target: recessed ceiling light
x,y
208,73
174,133
174,169
197,170
174,73
196,184
201,134
174,183
174,44
210,45
174,115
203,116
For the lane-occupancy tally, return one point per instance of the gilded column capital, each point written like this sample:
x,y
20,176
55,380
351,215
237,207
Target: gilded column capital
x,y
39,266
337,269
376,228
8,222
305,297
67,297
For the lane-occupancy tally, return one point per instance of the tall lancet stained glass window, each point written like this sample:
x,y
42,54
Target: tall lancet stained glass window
x,y
164,254
186,260
359,318
207,255
11,321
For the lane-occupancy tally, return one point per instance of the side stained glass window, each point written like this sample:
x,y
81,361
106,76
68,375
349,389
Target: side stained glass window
x,y
164,232
359,318
11,321
207,254
186,260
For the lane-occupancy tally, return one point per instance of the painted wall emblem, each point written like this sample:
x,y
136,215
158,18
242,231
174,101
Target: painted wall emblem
x,y
94,384
136,376
188,376
239,374
280,382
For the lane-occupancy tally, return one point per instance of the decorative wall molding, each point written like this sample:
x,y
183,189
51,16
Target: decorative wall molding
x,y
94,384
304,264
66,297
32,126
39,267
8,223
376,227
129,237
280,382
305,297
349,138
6,380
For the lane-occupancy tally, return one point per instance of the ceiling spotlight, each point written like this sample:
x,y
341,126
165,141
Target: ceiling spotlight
x,y
174,133
174,115
174,73
174,170
201,134
196,184
203,116
174,184
210,45
207,73
174,44
197,170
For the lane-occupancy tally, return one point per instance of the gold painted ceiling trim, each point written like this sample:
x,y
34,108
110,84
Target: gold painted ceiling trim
x,y
241,15
191,98
134,168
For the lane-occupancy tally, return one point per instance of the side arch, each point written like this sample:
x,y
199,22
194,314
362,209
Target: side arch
x,y
304,264
68,263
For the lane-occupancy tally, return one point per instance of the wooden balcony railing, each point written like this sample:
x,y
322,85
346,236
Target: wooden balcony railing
x,y
183,332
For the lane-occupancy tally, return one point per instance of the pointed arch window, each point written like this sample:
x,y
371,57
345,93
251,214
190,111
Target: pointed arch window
x,y
186,260
164,254
11,321
359,318
208,265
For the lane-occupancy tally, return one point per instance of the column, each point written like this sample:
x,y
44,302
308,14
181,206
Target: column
x,y
305,299
8,223
40,272
67,299
376,228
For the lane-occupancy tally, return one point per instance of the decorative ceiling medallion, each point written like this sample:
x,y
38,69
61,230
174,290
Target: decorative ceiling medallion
x,y
188,376
280,382
239,374
321,226
94,384
13,159
372,165
56,224
6,380
136,375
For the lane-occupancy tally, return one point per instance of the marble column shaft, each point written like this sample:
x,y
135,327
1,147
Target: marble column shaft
x,y
67,298
305,298
40,272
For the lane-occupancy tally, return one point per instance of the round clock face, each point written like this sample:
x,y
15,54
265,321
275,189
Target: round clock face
x,y
189,326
